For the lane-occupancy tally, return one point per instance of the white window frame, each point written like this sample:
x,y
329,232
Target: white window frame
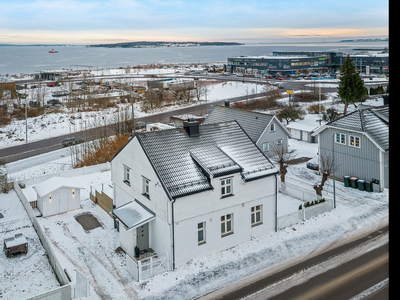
x,y
202,229
146,187
256,215
226,225
225,186
272,128
279,142
356,143
342,138
265,147
127,175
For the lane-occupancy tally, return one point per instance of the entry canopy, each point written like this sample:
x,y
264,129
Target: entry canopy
x,y
133,214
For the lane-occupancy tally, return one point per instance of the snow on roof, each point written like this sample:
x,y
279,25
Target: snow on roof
x,y
16,240
133,214
54,183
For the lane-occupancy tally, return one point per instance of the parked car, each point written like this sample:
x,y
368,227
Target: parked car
x,y
312,164
71,141
280,78
281,86
239,75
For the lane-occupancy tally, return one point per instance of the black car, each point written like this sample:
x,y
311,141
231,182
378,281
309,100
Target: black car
x,y
312,166
71,141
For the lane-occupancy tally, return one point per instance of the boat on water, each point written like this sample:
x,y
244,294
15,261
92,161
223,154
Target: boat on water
x,y
53,51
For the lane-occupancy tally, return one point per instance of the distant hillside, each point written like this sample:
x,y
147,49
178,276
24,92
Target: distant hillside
x,y
144,44
365,40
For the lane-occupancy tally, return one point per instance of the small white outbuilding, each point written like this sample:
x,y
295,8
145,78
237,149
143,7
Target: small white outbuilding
x,y
57,195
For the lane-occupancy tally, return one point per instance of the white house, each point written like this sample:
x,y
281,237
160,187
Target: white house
x,y
57,195
192,191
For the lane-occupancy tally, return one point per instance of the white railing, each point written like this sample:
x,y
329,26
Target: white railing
x,y
305,213
82,286
289,219
148,267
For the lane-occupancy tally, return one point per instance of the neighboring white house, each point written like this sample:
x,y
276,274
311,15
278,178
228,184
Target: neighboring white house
x,y
192,191
303,130
266,131
57,195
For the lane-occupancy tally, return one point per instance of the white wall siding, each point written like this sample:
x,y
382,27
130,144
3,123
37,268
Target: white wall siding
x,y
132,155
208,207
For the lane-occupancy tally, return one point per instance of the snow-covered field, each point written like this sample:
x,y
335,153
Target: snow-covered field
x,y
93,253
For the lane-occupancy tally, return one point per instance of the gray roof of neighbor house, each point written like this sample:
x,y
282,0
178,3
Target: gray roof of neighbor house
x,y
253,123
374,122
185,164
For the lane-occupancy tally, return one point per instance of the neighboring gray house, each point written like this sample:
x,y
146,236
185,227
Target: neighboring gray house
x,y
360,141
264,130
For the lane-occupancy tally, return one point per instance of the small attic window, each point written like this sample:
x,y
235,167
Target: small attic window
x,y
272,128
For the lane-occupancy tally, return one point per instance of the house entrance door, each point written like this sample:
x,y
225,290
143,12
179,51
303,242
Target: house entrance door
x,y
142,233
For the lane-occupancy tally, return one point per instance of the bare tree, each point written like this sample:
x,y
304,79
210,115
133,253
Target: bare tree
x,y
327,167
282,155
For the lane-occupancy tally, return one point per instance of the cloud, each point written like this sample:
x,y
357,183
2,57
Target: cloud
x,y
81,21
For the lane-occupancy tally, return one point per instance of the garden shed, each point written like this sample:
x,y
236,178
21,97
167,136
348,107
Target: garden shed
x,y
57,195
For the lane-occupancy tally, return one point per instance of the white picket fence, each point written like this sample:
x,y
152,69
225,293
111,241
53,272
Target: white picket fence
x,y
147,268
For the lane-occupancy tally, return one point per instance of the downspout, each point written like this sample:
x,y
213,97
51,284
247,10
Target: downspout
x,y
173,236
276,203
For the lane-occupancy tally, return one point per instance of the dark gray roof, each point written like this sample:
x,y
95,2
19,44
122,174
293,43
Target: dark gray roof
x,y
374,122
253,123
185,164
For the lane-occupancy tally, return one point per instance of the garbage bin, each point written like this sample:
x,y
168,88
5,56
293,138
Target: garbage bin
x,y
353,182
368,186
346,180
361,184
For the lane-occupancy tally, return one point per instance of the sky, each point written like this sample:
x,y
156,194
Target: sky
x,y
114,21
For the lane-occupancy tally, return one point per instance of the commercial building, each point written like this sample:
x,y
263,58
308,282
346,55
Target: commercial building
x,y
367,61
275,64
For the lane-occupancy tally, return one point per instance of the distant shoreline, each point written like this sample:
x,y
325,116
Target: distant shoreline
x,y
145,44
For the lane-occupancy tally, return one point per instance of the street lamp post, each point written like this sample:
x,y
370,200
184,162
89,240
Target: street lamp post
x,y
333,170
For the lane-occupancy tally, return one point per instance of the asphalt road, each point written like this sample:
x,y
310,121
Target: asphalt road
x,y
30,149
315,278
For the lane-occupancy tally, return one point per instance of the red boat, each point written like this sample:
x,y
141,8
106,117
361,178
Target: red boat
x,y
53,51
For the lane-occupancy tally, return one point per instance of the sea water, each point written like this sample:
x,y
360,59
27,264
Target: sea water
x,y
32,59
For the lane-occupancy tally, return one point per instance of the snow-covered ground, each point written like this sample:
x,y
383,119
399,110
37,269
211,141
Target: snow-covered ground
x,y
94,253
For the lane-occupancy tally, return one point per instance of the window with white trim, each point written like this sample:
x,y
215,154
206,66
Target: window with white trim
x,y
354,141
226,187
256,217
226,224
127,176
146,187
340,138
266,146
201,233
279,142
272,128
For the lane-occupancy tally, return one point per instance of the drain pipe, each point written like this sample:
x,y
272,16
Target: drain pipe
x,y
173,235
276,203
